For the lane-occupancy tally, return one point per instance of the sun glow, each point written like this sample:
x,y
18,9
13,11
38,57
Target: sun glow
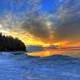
x,y
25,37
28,39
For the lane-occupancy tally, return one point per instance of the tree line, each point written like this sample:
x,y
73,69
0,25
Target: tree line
x,y
8,43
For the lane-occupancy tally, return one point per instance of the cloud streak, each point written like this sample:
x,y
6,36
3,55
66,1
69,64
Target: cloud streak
x,y
70,27
64,23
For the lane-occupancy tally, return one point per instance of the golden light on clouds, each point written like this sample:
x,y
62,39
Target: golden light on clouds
x,y
28,39
25,37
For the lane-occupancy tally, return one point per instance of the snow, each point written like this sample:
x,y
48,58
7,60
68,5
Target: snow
x,y
23,67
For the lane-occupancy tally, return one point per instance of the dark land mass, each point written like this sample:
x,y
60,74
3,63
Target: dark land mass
x,y
8,43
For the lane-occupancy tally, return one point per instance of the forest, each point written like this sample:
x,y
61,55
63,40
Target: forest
x,y
8,43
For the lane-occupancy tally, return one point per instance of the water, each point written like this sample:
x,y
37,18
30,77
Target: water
x,y
23,67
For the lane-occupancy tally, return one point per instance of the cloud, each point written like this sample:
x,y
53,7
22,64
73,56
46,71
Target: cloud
x,y
70,27
64,23
38,27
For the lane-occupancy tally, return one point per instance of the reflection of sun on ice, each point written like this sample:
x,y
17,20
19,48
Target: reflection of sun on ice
x,y
45,53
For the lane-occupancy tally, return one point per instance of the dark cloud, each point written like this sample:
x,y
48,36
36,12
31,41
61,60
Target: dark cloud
x,y
64,22
70,27
37,27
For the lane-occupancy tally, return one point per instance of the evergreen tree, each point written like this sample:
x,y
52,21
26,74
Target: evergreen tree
x,y
8,43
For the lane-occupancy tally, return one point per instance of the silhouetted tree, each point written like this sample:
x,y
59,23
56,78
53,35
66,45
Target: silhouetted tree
x,y
8,43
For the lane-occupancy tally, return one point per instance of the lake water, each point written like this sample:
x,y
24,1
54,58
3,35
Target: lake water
x,y
23,67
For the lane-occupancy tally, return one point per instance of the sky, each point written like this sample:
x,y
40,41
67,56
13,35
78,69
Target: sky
x,y
41,21
16,6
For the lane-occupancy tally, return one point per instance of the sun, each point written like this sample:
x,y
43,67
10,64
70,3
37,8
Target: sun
x,y
1,26
3,30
